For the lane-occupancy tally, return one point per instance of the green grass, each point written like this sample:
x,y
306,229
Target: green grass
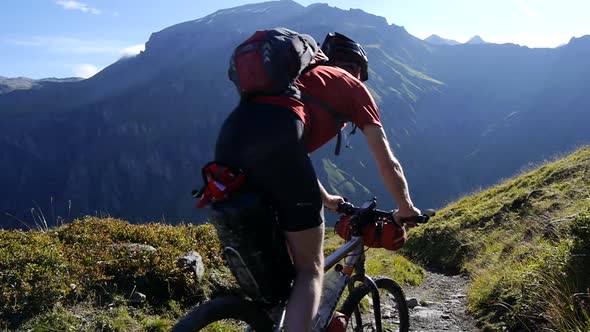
x,y
88,261
88,317
524,242
224,326
381,262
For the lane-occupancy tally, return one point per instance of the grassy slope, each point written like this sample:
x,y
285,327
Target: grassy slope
x,y
79,277
525,244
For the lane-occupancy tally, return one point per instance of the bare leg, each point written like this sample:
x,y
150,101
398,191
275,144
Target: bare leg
x,y
306,248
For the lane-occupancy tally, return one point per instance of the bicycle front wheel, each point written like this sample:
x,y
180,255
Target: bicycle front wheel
x,y
394,308
227,313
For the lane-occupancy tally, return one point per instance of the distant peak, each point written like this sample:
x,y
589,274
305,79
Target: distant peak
x,y
438,40
476,40
266,5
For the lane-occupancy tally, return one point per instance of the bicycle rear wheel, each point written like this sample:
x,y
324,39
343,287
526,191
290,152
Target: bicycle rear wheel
x,y
394,309
227,313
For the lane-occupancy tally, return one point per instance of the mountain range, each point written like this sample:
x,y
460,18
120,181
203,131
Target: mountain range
x,y
129,142
438,40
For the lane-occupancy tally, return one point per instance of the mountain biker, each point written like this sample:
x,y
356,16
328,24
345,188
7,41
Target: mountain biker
x,y
269,138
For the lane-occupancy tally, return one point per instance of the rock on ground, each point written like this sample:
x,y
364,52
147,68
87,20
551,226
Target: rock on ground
x,y
442,304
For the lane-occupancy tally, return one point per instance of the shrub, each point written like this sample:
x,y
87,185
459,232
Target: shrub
x,y
91,259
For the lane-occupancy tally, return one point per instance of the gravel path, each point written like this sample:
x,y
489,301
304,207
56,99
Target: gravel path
x,y
442,304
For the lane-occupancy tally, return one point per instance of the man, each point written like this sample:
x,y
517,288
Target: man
x,y
269,137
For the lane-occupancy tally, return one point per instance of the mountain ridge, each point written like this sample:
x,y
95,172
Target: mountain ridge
x,y
438,40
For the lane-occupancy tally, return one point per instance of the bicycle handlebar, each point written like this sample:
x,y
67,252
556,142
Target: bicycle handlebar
x,y
372,213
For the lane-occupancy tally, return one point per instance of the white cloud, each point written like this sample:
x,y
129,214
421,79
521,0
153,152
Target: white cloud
x,y
75,5
133,50
71,45
66,45
85,70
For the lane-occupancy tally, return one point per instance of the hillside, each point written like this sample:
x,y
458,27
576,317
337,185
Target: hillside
x,y
106,274
524,243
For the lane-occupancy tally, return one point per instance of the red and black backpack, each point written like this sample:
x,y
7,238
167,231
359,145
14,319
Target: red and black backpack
x,y
270,61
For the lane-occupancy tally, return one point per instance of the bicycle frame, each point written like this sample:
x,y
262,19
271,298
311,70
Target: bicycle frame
x,y
351,250
353,253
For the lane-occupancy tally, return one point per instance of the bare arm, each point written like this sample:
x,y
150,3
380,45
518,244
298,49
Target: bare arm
x,y
323,191
330,201
390,170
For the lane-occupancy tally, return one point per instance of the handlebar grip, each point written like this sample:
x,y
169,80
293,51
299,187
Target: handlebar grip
x,y
346,208
415,219
420,219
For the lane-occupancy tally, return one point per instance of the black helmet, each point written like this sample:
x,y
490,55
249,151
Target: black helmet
x,y
338,47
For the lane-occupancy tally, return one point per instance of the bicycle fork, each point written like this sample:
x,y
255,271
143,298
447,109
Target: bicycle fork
x,y
358,262
374,296
376,302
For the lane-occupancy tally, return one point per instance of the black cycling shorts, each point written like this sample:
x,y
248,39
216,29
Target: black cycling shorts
x,y
266,141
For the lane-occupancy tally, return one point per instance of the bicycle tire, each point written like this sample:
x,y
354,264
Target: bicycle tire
x,y
398,320
224,308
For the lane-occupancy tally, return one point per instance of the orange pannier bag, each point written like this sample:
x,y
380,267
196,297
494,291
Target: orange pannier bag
x,y
380,234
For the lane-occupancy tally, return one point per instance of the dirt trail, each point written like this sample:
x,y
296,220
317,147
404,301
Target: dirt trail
x,y
442,304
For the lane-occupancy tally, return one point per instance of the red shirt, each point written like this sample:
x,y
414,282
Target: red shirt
x,y
337,89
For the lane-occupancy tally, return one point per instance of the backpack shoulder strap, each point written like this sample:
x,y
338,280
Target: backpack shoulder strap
x,y
338,117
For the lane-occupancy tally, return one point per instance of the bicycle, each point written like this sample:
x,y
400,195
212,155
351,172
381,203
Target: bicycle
x,y
384,292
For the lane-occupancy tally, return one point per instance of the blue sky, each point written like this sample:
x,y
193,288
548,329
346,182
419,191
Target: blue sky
x,y
63,38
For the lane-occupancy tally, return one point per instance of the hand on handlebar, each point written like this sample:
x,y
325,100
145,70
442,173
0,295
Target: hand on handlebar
x,y
407,215
331,202
415,220
410,218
